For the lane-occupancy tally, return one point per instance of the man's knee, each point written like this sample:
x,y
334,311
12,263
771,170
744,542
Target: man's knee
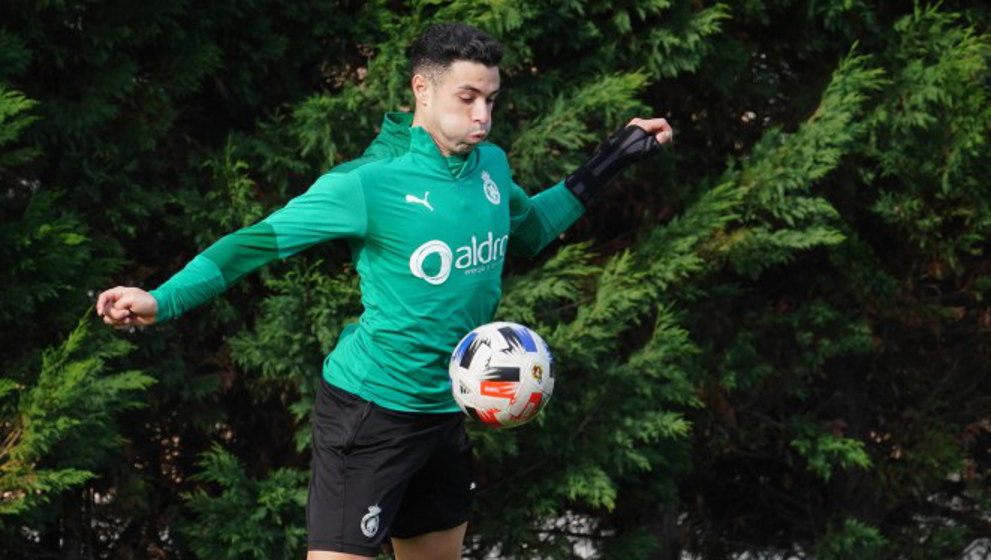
x,y
438,545
328,555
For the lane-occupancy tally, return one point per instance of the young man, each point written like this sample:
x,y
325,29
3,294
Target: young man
x,y
429,212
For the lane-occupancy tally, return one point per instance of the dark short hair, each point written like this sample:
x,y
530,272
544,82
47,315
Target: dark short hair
x,y
441,44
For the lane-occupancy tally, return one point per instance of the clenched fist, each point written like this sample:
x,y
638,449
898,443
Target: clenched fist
x,y
124,307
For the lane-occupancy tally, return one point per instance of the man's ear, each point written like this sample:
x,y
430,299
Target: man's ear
x,y
421,89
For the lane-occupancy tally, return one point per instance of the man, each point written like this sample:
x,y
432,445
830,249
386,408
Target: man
x,y
429,212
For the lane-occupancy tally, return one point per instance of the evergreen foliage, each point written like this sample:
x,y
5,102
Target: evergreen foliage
x,y
772,338
62,427
248,518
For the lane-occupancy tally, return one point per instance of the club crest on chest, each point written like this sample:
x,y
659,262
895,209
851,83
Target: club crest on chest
x,y
490,188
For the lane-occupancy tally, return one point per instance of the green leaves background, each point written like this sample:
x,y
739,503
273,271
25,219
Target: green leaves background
x,y
773,338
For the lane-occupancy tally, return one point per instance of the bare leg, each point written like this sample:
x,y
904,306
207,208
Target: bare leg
x,y
439,545
328,555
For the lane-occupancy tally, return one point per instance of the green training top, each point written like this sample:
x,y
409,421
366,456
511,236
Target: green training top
x,y
428,235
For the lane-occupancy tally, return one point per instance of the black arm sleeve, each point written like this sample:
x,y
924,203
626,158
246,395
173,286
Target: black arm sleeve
x,y
623,148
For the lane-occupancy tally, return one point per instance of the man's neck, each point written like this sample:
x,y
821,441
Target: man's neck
x,y
419,121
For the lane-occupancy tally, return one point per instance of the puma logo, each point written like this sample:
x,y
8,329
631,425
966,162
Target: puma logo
x,y
423,201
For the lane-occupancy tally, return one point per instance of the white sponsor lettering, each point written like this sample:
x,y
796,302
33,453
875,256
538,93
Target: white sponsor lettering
x,y
474,258
417,259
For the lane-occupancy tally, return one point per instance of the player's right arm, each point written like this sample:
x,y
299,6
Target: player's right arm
x,y
333,208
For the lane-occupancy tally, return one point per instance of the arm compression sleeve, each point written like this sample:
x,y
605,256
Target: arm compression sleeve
x,y
334,207
623,148
535,221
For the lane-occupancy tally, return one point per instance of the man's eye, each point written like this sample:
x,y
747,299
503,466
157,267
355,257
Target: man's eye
x,y
466,99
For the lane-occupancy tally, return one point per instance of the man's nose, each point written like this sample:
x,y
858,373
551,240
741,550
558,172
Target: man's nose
x,y
481,112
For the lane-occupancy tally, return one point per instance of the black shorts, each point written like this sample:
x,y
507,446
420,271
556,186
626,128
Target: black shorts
x,y
381,473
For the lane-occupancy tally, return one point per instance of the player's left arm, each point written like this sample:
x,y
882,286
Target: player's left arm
x,y
538,220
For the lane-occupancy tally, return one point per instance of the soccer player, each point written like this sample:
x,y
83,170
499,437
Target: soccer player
x,y
429,212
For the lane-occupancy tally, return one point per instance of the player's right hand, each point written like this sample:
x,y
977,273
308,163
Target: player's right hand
x,y
124,307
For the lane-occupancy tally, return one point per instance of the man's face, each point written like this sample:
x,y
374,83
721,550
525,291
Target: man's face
x,y
455,105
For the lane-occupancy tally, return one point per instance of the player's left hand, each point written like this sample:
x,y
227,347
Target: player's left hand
x,y
658,127
639,139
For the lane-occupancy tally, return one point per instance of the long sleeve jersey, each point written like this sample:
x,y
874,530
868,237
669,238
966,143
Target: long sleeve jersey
x,y
428,235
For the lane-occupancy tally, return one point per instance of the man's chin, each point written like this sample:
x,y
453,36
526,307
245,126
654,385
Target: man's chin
x,y
474,140
465,146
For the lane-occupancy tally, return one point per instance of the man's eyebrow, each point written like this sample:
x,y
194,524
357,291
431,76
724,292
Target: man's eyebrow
x,y
474,89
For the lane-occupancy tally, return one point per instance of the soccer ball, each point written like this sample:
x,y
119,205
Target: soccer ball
x,y
502,374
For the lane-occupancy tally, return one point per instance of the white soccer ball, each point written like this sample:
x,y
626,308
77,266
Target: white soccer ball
x,y
502,374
